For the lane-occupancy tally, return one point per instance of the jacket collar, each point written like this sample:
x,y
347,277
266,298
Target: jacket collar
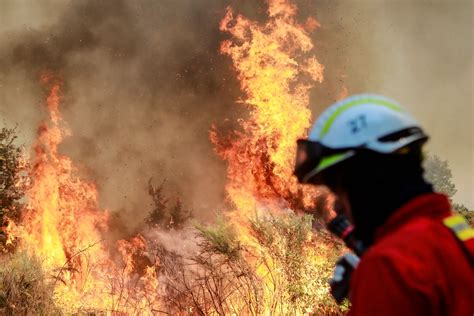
x,y
432,205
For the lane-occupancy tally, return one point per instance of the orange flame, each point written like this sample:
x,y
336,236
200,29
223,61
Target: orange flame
x,y
61,222
64,225
62,215
276,72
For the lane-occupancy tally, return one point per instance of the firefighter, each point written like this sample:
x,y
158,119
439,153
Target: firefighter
x,y
419,257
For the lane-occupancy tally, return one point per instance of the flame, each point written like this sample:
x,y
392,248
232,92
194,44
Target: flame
x,y
62,215
276,73
61,220
63,224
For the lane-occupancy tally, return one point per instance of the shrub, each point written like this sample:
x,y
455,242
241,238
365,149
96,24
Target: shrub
x,y
13,180
24,287
163,215
280,269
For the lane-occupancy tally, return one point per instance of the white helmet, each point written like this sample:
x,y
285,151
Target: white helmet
x,y
360,122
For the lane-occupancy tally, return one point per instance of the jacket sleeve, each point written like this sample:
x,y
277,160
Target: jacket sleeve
x,y
387,285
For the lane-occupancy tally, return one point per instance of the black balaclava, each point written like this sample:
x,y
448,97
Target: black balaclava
x,y
377,185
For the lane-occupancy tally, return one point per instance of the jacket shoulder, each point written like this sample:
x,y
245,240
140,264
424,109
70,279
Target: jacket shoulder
x,y
415,237
415,250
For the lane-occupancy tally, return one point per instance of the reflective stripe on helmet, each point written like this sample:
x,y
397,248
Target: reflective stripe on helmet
x,y
327,162
331,160
369,100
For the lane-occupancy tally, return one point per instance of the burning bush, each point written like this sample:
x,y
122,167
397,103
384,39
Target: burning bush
x,y
286,256
278,265
217,280
284,272
271,264
260,258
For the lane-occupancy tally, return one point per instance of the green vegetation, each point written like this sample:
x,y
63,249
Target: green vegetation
x,y
302,260
438,173
12,182
220,238
281,269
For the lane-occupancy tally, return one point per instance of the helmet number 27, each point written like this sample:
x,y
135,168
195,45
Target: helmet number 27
x,y
358,124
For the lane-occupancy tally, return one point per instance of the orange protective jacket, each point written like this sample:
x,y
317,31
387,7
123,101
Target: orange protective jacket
x,y
417,265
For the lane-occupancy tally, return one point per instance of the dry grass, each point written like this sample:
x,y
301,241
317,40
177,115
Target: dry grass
x,y
24,287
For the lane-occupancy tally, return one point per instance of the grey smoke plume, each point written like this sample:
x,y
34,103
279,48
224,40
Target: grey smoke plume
x,y
143,84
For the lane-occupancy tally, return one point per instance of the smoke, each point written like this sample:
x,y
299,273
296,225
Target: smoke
x,y
144,82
